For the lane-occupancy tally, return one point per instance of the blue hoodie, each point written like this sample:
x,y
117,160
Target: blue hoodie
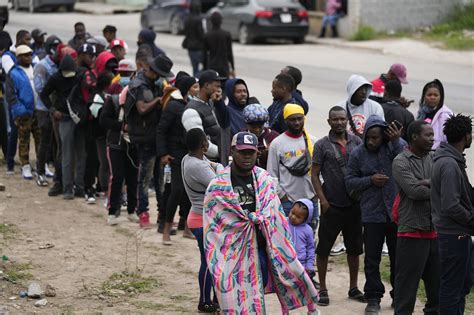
x,y
302,237
235,110
376,203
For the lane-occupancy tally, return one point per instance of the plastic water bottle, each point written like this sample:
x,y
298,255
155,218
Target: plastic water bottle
x,y
167,175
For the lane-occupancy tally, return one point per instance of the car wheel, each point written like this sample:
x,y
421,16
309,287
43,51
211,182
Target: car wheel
x,y
298,40
244,35
175,24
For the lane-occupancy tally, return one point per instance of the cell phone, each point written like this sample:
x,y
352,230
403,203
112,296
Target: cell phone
x,y
398,124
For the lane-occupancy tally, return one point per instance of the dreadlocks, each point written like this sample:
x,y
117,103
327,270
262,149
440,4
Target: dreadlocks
x,y
456,127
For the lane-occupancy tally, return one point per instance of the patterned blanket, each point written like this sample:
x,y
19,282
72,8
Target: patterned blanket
x,y
232,253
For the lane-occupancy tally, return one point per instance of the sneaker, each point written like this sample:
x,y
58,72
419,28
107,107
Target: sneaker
x,y
373,307
323,298
41,181
10,171
133,217
48,172
384,250
56,190
144,220
90,199
112,220
338,249
68,195
357,295
26,172
207,308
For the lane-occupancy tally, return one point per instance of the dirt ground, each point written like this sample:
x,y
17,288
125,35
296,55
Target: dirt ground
x,y
88,262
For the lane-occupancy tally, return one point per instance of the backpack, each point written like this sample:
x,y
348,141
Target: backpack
x,y
78,109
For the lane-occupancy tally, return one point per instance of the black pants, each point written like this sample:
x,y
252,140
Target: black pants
x,y
46,127
177,195
57,154
92,161
103,164
3,127
417,258
123,165
374,237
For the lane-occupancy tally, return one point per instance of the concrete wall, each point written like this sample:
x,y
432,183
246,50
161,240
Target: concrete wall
x,y
388,15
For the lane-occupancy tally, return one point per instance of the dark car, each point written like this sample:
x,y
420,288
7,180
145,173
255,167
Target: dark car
x,y
252,20
36,5
169,15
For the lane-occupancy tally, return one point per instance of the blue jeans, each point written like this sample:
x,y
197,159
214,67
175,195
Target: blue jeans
x,y
330,19
456,272
196,59
149,168
205,278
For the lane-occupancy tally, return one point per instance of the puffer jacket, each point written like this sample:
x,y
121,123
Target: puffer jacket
x,y
19,93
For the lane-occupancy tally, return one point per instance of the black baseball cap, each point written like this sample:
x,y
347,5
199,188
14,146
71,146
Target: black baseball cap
x,y
244,141
210,76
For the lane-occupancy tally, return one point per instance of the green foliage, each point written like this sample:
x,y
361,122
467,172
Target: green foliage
x,y
128,283
15,272
364,33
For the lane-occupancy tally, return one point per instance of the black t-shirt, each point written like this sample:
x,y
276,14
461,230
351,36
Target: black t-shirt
x,y
245,191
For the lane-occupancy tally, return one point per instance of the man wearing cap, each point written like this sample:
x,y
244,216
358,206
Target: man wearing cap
x,y
42,72
21,98
119,48
289,160
38,45
246,238
99,42
125,72
142,112
207,112
397,72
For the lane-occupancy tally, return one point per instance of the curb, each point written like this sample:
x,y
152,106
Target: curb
x,y
340,43
101,8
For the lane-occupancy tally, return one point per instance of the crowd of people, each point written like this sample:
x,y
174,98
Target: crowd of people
x,y
253,186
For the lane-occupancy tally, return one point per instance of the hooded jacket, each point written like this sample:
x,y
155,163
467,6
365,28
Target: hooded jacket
x,y
19,93
303,238
235,110
101,62
148,37
360,113
452,195
277,122
376,203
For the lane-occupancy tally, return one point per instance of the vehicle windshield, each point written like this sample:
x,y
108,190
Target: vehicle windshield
x,y
276,3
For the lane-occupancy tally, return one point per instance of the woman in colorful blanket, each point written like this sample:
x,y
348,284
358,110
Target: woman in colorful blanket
x,y
247,239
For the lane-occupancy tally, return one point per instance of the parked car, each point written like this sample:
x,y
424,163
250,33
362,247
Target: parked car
x,y
169,15
252,20
4,10
35,5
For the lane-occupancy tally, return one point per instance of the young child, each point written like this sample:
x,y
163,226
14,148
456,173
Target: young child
x,y
302,234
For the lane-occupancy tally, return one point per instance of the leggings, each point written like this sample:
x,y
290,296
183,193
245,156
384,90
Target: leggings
x,y
205,278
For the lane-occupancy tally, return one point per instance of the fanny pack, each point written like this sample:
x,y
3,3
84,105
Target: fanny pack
x,y
302,165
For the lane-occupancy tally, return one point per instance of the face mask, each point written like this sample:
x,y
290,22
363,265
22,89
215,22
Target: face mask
x,y
124,81
190,98
68,74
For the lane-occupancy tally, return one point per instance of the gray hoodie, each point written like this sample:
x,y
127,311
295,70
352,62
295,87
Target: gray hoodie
x,y
360,113
451,193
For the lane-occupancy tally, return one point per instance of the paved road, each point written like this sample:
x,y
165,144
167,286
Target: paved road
x,y
325,68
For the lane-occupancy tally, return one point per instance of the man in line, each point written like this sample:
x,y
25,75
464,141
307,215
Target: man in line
x,y
204,112
397,72
289,161
143,111
417,243
38,45
21,98
110,33
296,74
282,91
241,204
358,105
392,107
80,36
369,173
453,214
238,94
339,211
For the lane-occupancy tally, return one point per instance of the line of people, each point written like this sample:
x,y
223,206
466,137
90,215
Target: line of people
x,y
252,184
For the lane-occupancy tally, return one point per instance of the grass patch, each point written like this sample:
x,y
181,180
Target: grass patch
x,y
67,309
7,231
128,283
364,33
150,305
15,272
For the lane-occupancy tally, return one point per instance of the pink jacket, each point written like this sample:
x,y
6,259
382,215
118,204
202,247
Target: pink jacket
x,y
332,6
437,123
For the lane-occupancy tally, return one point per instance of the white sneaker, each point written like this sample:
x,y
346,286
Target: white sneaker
x,y
133,217
26,172
48,172
41,181
106,202
384,250
338,249
90,200
10,172
112,220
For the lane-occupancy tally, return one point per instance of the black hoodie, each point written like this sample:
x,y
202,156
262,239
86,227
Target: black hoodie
x,y
451,193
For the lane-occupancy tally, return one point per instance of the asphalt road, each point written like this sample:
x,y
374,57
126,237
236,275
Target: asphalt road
x,y
325,68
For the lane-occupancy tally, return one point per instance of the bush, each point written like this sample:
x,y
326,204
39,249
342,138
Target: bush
x,y
364,33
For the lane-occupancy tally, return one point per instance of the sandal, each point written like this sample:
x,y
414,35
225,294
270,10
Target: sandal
x,y
323,298
357,295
